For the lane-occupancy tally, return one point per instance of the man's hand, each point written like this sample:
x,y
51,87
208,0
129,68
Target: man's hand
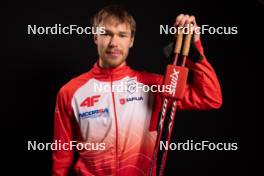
x,y
183,20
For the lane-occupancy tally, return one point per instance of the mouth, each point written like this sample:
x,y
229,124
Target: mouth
x,y
113,53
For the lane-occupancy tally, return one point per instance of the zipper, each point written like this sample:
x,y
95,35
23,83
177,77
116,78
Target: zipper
x,y
116,125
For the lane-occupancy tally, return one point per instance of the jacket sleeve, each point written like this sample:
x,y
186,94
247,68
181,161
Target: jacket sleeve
x,y
63,133
204,91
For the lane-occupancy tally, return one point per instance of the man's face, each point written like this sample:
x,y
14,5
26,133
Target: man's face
x,y
113,46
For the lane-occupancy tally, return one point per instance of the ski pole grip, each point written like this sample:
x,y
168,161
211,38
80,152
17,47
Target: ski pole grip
x,y
178,43
186,44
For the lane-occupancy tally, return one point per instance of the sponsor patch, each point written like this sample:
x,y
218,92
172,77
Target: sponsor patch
x,y
95,113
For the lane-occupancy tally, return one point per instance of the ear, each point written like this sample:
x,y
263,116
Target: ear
x,y
95,38
131,42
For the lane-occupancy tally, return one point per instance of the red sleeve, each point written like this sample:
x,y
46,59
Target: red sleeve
x,y
204,91
64,132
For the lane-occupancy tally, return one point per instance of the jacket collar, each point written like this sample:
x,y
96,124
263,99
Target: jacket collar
x,y
110,74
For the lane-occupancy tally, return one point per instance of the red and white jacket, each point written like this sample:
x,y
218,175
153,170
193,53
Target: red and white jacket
x,y
123,121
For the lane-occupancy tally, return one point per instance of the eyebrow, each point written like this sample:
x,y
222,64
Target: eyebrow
x,y
124,33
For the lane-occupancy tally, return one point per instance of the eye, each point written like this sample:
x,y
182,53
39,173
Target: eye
x,y
123,35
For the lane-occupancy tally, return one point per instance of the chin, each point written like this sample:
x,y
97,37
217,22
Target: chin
x,y
115,63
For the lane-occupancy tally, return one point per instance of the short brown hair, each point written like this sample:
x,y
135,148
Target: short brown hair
x,y
115,12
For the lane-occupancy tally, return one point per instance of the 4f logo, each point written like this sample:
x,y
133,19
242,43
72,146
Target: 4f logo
x,y
90,101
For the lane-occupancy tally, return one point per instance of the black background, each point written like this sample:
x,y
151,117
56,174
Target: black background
x,y
36,66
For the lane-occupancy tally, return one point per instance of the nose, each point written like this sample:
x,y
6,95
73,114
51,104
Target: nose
x,y
113,41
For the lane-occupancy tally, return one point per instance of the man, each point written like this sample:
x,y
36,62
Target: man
x,y
119,127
